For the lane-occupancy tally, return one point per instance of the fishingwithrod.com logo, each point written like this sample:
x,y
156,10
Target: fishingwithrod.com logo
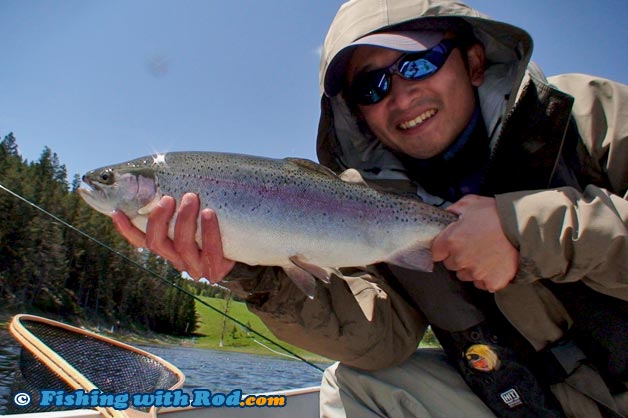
x,y
201,398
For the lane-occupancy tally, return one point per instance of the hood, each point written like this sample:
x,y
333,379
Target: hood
x,y
343,142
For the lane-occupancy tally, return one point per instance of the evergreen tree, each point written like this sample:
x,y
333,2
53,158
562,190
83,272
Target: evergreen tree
x,y
13,218
46,266
8,146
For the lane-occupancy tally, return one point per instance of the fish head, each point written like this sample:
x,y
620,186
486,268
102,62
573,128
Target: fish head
x,y
129,187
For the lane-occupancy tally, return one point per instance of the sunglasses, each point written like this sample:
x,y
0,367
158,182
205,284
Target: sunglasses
x,y
371,87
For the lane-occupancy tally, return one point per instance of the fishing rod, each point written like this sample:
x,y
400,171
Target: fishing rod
x,y
155,274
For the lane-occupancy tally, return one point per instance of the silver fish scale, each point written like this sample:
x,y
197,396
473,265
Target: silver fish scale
x,y
232,179
260,194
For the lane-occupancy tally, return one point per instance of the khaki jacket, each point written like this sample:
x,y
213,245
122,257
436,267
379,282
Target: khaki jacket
x,y
559,173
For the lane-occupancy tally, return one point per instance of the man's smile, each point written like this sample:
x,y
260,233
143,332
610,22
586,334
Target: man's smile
x,y
418,120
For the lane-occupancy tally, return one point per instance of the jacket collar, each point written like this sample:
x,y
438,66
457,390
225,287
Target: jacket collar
x,y
527,152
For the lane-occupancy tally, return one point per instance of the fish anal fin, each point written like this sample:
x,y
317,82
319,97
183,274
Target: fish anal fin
x,y
416,257
302,279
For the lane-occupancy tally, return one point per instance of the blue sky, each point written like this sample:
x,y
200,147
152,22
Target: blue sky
x,y
102,82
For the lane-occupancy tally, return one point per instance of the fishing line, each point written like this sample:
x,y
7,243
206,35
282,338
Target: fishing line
x,y
274,351
156,275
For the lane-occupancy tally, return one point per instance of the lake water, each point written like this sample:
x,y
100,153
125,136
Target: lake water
x,y
217,371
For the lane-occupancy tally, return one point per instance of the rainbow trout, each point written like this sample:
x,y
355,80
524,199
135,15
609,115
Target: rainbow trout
x,y
289,212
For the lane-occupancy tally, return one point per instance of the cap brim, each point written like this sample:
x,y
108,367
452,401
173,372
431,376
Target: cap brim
x,y
410,41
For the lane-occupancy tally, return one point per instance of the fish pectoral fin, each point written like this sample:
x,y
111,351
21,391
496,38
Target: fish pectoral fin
x,y
352,175
312,166
319,272
302,279
416,257
151,205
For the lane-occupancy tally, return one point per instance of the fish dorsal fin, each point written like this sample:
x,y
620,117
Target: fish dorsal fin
x,y
312,166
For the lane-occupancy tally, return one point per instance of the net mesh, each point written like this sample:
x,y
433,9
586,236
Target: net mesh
x,y
31,377
111,367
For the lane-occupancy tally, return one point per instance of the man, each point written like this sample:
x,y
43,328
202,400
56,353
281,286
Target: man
x,y
434,100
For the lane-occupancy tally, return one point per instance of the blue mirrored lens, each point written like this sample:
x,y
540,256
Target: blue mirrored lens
x,y
417,69
371,87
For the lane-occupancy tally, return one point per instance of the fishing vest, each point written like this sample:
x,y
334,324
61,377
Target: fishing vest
x,y
537,150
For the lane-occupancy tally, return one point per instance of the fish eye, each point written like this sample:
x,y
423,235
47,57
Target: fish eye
x,y
106,177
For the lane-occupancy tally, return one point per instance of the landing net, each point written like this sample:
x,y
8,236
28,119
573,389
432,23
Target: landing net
x,y
56,356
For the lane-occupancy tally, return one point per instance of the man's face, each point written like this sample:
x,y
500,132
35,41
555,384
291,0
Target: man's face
x,y
421,118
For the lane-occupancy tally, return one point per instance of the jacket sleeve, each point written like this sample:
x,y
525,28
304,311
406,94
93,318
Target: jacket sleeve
x,y
568,235
357,319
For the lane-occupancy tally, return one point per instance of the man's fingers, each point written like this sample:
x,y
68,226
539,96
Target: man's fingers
x,y
185,228
217,265
465,275
157,240
158,223
185,235
482,286
122,224
137,238
440,249
183,250
460,207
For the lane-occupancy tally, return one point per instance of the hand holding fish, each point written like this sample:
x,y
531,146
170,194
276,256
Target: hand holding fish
x,y
183,251
475,246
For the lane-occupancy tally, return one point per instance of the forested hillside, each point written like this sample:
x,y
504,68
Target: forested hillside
x,y
48,268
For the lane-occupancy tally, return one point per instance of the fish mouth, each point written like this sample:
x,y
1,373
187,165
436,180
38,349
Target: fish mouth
x,y
88,193
90,186
95,196
87,188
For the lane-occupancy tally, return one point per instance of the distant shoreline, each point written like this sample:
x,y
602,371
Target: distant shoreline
x,y
149,338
